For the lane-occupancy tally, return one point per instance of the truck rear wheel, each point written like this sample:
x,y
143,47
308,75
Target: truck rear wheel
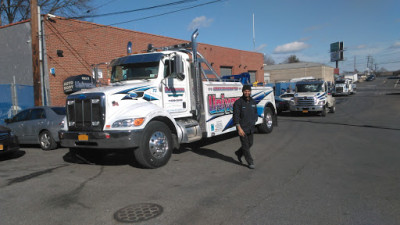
x,y
155,146
267,125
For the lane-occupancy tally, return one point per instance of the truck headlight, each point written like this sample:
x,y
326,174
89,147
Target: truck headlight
x,y
321,102
128,122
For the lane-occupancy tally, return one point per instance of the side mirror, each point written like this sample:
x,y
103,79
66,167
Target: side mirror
x,y
178,64
179,76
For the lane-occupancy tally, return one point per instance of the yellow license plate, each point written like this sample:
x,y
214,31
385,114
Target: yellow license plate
x,y
1,147
305,111
83,137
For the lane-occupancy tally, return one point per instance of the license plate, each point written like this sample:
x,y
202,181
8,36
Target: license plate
x,y
1,147
305,111
83,137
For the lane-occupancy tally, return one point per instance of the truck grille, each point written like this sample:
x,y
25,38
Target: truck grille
x,y
86,112
305,101
4,136
339,89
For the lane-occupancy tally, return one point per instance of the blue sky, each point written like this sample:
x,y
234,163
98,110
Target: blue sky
x,y
282,27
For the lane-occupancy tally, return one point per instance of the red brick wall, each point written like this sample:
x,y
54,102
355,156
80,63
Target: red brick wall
x,y
85,43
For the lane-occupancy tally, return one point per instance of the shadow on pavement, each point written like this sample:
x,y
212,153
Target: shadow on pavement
x,y
198,148
216,155
118,157
112,157
12,155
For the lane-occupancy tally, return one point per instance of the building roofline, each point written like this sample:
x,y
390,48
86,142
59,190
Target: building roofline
x,y
16,23
122,29
156,35
294,65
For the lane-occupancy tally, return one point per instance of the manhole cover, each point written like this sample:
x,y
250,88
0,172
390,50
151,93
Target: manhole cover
x,y
138,212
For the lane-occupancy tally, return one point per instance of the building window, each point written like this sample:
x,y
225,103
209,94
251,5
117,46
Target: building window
x,y
253,76
225,70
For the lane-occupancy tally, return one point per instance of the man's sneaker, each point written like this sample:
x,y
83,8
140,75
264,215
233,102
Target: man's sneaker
x,y
239,157
251,166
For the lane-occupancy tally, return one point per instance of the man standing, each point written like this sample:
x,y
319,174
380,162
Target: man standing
x,y
245,117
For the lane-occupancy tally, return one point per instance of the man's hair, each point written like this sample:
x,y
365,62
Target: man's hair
x,y
246,87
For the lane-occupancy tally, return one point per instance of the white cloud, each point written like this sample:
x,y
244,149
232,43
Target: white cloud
x,y
291,47
260,47
305,39
396,44
315,27
198,22
361,46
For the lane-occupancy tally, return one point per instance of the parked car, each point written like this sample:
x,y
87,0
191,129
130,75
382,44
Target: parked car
x,y
281,104
370,78
8,141
39,125
287,96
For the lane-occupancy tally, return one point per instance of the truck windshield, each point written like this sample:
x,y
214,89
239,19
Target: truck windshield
x,y
340,81
309,87
134,71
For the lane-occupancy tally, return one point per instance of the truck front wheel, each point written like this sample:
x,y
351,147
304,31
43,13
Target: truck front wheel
x,y
155,146
332,109
267,124
323,112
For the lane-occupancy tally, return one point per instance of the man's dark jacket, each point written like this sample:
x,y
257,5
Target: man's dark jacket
x,y
245,114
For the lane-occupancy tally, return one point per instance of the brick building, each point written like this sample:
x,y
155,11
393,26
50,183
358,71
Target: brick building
x,y
286,72
73,47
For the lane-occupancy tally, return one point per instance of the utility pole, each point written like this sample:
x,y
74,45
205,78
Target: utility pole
x,y
37,84
355,59
254,36
369,63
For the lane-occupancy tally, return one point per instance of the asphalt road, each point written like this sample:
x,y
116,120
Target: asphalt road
x,y
339,169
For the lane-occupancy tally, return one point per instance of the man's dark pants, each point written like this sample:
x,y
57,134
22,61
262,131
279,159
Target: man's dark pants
x,y
247,142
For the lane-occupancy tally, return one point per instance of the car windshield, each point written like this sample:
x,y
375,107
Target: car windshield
x,y
59,110
309,88
135,71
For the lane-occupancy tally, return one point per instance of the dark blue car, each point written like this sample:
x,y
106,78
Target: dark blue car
x,y
281,104
8,141
370,78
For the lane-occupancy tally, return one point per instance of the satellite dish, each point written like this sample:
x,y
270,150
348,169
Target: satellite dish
x,y
129,48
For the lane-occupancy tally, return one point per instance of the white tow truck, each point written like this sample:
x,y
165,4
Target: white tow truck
x,y
156,101
343,87
312,95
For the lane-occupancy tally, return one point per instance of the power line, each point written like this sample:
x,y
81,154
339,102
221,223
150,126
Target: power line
x,y
388,62
133,10
138,19
162,14
102,5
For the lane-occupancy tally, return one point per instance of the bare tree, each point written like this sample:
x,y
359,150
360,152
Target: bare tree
x,y
292,59
17,10
268,60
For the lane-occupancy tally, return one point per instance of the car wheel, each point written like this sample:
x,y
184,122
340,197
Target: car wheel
x,y
268,123
46,141
332,109
155,146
